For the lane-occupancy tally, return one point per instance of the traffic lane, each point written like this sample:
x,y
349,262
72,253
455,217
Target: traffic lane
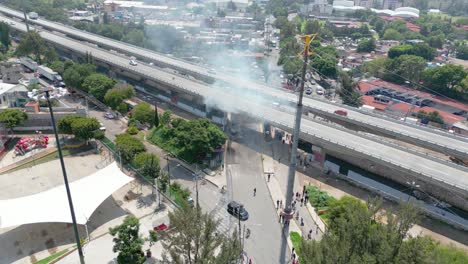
x,y
265,242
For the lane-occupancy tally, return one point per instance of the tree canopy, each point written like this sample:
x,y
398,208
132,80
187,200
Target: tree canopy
x,y
5,35
195,239
97,85
421,50
366,45
348,92
143,113
81,127
12,118
115,96
128,146
356,234
127,241
147,164
191,140
446,79
75,74
32,44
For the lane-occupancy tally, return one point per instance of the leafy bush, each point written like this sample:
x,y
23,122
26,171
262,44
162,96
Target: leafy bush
x,y
319,199
132,130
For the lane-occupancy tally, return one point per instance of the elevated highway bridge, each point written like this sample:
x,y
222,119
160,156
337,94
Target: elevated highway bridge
x,y
446,181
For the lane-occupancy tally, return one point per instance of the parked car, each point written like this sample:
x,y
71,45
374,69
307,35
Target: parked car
x,y
102,127
237,210
308,91
109,115
341,112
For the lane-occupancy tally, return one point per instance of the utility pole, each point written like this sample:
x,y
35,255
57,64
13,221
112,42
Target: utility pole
x,y
65,179
288,212
156,117
25,16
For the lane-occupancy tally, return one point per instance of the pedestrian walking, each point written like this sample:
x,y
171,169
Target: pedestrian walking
x,y
277,204
269,175
281,204
250,261
303,190
293,251
302,201
302,221
297,215
255,191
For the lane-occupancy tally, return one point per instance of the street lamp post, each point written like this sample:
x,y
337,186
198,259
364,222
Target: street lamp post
x,y
65,178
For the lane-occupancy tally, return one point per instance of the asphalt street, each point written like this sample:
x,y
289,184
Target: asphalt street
x,y
244,163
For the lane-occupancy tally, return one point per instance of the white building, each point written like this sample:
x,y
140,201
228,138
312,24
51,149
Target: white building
x,y
10,94
317,7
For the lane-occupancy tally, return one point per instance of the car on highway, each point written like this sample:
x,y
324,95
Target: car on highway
x,y
319,90
237,210
341,112
109,115
133,63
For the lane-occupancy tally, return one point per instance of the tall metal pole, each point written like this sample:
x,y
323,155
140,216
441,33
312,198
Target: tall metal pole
x,y
25,16
297,125
65,179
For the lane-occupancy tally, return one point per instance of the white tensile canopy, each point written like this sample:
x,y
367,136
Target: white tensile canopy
x,y
52,205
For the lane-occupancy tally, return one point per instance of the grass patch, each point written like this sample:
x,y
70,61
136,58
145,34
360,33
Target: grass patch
x,y
320,200
51,257
296,240
108,143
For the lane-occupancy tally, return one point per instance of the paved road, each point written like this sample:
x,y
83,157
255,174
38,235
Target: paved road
x,y
442,141
244,164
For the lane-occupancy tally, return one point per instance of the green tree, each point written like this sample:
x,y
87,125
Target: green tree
x,y
143,113
5,34
325,65
75,74
421,50
436,41
12,118
376,67
32,44
85,128
312,27
128,146
444,79
405,67
195,239
65,124
366,45
166,118
127,241
392,34
147,164
462,52
97,85
57,66
135,37
348,92
81,127
115,96
354,236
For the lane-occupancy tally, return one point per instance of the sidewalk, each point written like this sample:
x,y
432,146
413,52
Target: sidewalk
x,y
277,187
